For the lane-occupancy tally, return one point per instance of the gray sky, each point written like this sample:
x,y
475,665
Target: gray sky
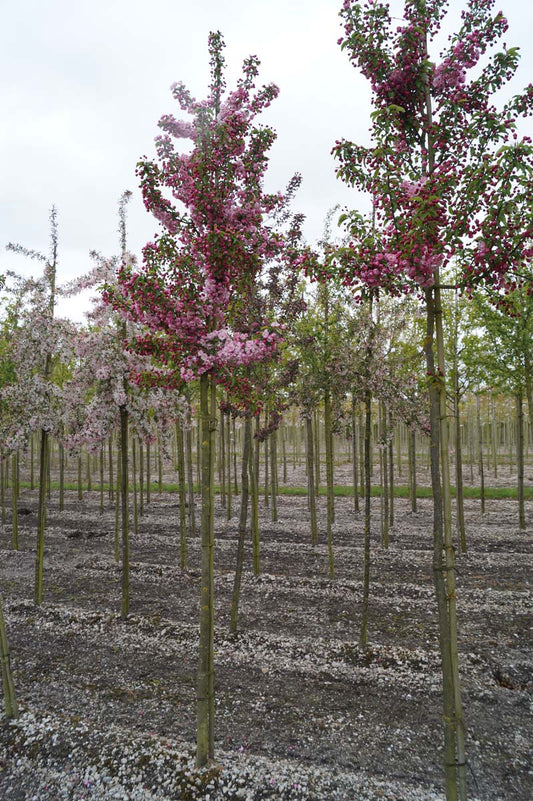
x,y
83,85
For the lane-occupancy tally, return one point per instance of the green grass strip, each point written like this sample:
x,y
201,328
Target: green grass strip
x,y
340,491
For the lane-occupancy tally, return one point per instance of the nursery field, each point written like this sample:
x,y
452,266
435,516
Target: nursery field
x,y
109,708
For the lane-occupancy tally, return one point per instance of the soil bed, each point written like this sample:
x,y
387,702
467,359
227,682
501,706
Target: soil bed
x,y
301,711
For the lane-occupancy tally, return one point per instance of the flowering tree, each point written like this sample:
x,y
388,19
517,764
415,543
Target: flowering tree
x,y
35,395
192,291
448,176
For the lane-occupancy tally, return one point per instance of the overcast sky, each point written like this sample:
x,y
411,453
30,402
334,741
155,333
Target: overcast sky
x,y
83,85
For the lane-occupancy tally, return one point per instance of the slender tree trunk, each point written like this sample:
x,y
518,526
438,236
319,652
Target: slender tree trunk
x,y
101,479
125,514
363,633
361,456
205,685
384,464
355,465
459,464
254,486
48,470
118,507
110,467
41,521
480,446
311,479
141,478
182,495
493,424
61,477
274,475
14,505
88,465
159,466
228,466
148,472
329,480
283,431
413,485
190,478
391,473
267,469
242,525
32,462
316,430
80,486
235,482
3,470
134,482
444,561
520,460
10,698
222,462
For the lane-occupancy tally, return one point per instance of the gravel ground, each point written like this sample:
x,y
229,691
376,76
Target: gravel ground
x,y
301,712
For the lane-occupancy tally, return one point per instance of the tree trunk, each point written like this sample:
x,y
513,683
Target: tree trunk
x,y
391,473
414,488
274,475
242,525
32,462
3,470
148,472
355,465
459,463
41,520
61,477
311,479
14,505
520,460
205,685
182,495
10,698
222,461
363,633
141,478
480,462
134,481
329,480
384,468
254,486
79,482
125,512
190,478
110,467
101,479
444,560
228,467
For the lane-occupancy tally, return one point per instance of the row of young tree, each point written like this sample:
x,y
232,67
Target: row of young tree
x,y
218,315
